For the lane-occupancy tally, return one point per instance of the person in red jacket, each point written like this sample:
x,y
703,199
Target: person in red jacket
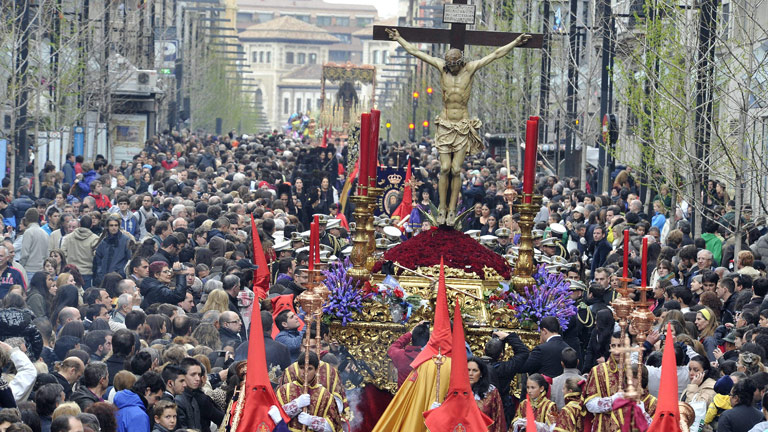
x,y
102,201
406,348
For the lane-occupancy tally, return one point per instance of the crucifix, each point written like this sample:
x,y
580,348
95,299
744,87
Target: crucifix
x,y
457,133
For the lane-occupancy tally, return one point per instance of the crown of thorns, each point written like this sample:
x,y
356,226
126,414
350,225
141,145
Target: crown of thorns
x,y
458,62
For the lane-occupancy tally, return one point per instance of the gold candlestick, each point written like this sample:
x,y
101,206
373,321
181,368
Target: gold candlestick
x,y
360,238
524,265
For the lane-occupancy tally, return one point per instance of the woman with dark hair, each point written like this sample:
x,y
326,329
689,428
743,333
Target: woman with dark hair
x,y
110,282
702,382
204,255
598,348
147,249
544,410
487,396
72,328
41,293
491,224
743,416
157,328
66,296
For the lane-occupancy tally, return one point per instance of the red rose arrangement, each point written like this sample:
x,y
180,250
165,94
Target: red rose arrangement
x,y
458,250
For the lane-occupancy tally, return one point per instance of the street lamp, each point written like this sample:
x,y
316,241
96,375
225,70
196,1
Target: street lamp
x,y
388,125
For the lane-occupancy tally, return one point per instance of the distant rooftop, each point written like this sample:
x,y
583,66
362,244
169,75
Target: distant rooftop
x,y
289,29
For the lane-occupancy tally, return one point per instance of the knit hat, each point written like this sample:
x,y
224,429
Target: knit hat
x,y
723,385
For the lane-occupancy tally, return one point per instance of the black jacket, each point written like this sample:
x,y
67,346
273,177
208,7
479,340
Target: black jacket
x,y
83,397
545,358
20,206
18,322
740,418
188,413
155,291
164,256
503,372
64,383
277,354
229,338
209,411
114,364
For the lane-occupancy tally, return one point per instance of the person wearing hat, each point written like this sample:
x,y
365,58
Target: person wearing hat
x,y
297,241
579,325
327,238
548,246
502,237
283,249
731,351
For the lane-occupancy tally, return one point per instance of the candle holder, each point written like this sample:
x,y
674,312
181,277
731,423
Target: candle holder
x,y
360,238
524,265
373,201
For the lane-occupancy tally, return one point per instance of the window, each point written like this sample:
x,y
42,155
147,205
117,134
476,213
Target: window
x,y
298,105
259,97
301,58
339,56
264,16
324,21
312,58
255,57
384,57
320,106
364,21
375,57
309,104
286,105
269,57
342,21
343,37
726,20
289,58
261,56
245,17
304,18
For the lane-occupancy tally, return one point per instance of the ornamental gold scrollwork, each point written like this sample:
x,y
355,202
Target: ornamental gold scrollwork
x,y
368,342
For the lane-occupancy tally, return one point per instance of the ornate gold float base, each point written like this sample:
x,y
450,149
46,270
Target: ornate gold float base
x,y
368,342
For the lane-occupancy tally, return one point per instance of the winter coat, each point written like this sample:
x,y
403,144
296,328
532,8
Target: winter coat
x,y
34,248
188,413
704,392
20,206
112,255
155,291
79,246
18,323
84,398
131,415
69,172
760,248
84,186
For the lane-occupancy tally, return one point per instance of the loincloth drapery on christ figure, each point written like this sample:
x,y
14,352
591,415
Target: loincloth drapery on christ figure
x,y
452,136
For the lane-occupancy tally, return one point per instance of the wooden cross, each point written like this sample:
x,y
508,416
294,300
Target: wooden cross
x,y
458,36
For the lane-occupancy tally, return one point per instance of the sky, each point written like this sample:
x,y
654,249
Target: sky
x,y
387,8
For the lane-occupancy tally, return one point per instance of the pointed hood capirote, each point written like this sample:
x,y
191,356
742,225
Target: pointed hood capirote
x,y
459,407
440,339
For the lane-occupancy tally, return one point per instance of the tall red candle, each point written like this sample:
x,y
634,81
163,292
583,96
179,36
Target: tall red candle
x,y
644,270
316,257
625,274
373,146
365,153
311,265
531,149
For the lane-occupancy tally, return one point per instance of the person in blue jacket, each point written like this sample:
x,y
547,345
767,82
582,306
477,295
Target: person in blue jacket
x,y
132,404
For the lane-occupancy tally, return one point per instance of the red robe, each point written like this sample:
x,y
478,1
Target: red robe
x,y
571,417
328,377
603,381
491,406
544,410
321,403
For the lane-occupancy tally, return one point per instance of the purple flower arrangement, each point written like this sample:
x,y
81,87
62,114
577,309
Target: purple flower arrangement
x,y
550,296
345,298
